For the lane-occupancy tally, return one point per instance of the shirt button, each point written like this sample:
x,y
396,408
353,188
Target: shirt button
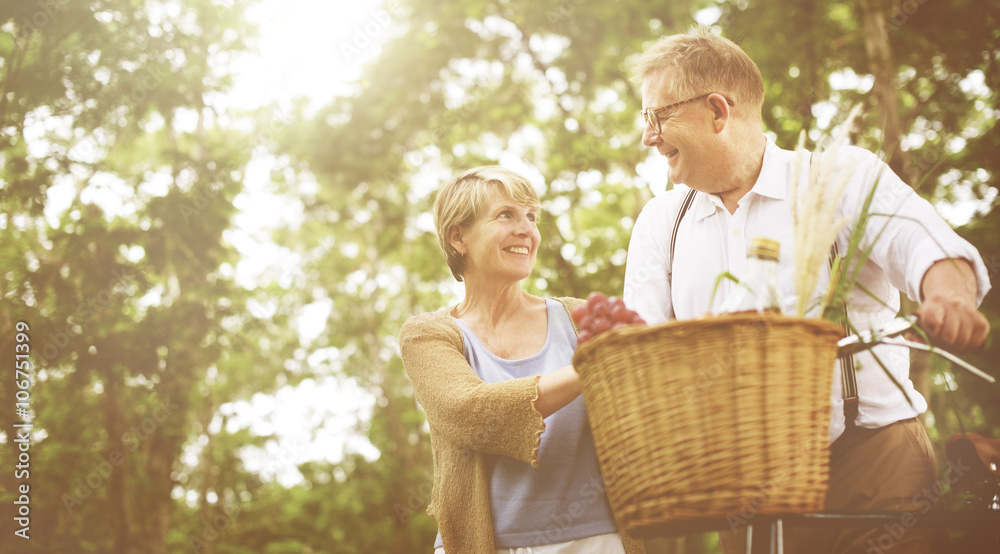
x,y
736,232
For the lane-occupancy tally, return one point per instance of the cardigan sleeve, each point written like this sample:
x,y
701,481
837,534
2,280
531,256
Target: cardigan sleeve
x,y
495,418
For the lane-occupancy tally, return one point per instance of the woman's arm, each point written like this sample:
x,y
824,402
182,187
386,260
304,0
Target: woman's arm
x,y
497,418
557,389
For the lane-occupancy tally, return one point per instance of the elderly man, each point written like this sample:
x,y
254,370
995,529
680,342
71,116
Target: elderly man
x,y
702,98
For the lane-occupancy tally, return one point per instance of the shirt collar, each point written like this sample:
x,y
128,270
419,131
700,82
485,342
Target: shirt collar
x,y
772,183
705,205
773,179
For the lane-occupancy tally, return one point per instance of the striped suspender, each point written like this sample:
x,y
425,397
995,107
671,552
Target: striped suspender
x,y
849,380
685,205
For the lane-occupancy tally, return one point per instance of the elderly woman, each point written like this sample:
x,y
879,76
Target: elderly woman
x,y
514,460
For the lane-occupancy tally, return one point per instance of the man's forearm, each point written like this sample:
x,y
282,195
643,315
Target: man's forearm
x,y
954,277
948,310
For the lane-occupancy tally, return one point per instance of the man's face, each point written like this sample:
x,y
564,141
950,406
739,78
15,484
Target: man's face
x,y
687,137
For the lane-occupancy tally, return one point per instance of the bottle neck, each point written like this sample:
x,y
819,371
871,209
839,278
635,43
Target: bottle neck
x,y
761,267
757,290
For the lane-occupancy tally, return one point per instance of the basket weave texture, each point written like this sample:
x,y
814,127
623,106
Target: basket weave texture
x,y
718,417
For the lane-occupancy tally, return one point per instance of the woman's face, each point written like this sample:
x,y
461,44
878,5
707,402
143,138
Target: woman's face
x,y
503,242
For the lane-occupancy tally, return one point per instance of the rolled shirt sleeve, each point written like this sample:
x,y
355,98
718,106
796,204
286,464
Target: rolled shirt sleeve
x,y
905,233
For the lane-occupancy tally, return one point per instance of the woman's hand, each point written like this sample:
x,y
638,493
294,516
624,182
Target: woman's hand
x,y
601,314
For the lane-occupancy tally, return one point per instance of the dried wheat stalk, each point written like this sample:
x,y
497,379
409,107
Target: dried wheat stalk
x,y
814,214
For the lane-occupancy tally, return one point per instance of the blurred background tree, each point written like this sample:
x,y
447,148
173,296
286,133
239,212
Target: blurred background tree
x,y
118,179
122,168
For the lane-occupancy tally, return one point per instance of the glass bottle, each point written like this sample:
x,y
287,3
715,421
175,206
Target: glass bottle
x,y
757,291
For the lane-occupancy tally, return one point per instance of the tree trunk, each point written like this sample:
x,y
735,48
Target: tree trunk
x,y
115,423
880,62
171,410
208,481
881,65
810,72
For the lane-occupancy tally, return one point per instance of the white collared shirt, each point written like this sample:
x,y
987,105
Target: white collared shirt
x,y
711,241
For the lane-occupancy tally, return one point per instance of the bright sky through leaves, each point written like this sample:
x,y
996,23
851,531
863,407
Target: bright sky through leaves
x,y
312,49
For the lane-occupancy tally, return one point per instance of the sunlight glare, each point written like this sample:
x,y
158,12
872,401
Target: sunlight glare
x,y
310,48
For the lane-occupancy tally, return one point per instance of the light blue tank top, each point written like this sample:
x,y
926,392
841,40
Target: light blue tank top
x,y
563,498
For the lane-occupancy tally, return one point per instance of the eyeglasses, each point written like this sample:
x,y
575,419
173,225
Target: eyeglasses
x,y
651,115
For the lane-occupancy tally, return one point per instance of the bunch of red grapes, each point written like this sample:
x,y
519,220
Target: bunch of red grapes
x,y
601,314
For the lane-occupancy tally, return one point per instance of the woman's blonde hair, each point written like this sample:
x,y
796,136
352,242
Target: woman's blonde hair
x,y
463,200
704,63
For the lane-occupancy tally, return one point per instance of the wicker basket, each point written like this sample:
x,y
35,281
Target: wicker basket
x,y
713,418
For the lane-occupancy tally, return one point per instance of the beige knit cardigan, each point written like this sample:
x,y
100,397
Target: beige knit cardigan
x,y
469,418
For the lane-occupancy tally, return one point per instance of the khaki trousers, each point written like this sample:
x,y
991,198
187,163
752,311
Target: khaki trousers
x,y
891,468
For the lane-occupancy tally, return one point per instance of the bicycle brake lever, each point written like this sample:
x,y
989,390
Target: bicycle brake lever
x,y
900,341
870,337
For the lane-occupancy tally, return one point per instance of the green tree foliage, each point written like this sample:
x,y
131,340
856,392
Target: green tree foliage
x,y
118,182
